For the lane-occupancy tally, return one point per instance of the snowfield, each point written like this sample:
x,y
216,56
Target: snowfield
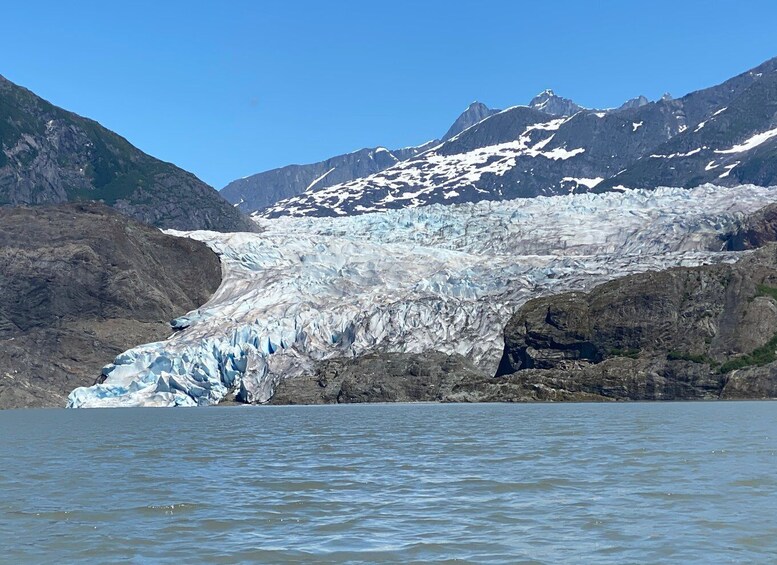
x,y
444,278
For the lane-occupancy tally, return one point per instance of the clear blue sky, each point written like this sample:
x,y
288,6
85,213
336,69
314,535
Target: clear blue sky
x,y
225,89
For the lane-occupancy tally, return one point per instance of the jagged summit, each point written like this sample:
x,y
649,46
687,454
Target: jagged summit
x,y
549,102
636,102
475,112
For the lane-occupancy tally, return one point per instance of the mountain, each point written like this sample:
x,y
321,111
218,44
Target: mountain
x,y
304,292
79,284
735,144
523,152
49,155
260,191
636,102
475,112
257,192
549,103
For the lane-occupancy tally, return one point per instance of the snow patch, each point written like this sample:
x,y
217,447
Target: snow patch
x,y
589,182
319,179
728,168
751,143
675,155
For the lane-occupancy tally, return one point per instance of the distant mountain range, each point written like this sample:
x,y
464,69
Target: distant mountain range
x,y
49,155
726,134
262,190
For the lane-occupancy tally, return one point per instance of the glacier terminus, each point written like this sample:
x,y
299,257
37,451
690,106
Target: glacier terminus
x,y
434,278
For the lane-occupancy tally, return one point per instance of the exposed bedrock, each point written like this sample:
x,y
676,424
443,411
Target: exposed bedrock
x,y
80,283
682,333
380,377
759,229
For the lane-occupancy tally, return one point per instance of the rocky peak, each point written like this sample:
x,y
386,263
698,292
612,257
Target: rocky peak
x,y
637,102
549,102
475,112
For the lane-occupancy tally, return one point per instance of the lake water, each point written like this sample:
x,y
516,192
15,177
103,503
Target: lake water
x,y
540,483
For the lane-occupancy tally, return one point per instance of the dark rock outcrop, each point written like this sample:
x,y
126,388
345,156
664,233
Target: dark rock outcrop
x,y
683,333
79,284
550,103
379,377
759,229
50,156
475,113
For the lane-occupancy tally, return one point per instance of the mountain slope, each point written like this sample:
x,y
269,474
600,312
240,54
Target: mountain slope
x,y
49,155
259,191
734,145
79,283
521,152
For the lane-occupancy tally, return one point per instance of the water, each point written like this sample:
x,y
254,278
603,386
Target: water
x,y
573,483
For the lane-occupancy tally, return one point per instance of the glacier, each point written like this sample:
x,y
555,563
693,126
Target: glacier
x,y
444,278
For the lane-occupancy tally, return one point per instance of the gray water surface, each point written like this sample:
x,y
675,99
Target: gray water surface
x,y
542,483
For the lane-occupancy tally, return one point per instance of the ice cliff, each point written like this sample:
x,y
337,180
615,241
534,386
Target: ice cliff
x,y
444,278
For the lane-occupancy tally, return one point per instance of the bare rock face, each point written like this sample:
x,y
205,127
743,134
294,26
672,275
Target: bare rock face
x,y
759,229
379,377
79,284
550,103
684,333
50,156
475,113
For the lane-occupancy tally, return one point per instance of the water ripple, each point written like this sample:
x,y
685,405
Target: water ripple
x,y
675,482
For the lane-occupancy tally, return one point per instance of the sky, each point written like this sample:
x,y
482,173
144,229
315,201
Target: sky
x,y
226,89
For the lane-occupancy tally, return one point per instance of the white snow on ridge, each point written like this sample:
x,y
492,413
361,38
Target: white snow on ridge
x,y
728,168
751,143
436,171
443,278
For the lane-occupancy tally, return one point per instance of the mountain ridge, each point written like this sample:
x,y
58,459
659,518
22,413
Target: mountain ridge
x,y
257,192
521,153
50,155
